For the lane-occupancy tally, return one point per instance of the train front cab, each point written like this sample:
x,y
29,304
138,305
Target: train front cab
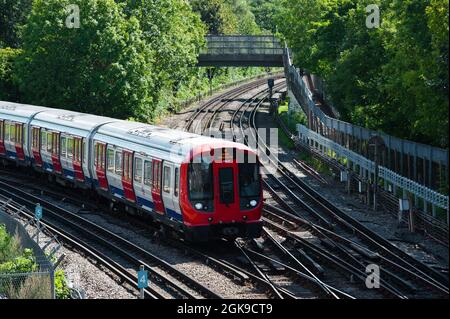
x,y
222,195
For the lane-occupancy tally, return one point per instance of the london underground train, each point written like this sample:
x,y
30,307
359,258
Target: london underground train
x,y
201,187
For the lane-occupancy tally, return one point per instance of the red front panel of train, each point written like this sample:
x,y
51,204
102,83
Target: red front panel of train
x,y
222,191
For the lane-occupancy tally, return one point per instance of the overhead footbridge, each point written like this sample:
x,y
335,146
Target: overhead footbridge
x,y
242,51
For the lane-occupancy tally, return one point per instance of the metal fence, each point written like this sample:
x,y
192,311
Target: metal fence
x,y
31,285
337,138
366,168
242,45
424,164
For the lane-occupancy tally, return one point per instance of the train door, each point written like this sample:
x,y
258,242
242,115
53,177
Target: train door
x,y
78,158
55,152
225,182
19,141
100,164
127,176
114,170
143,181
156,186
46,149
167,189
2,137
36,145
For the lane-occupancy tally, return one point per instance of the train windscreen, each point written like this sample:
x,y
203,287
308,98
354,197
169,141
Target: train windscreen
x,y
200,180
249,184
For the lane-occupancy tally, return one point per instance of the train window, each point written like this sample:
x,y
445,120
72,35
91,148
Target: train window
x,y
7,131
63,146
148,173
83,143
177,182
103,156
12,133
200,181
226,185
118,163
55,144
19,133
70,147
43,140
167,175
110,160
1,130
76,149
127,166
138,170
249,184
96,154
156,176
77,152
35,139
49,142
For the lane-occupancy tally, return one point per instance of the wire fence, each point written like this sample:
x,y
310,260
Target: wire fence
x,y
31,285
425,164
332,136
38,284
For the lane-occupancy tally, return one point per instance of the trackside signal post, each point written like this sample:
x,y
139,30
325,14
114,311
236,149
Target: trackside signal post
x,y
142,281
271,84
38,216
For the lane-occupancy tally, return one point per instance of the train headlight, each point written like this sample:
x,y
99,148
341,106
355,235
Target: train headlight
x,y
199,206
253,203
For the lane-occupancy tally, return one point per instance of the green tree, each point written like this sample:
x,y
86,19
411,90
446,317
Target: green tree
x,y
265,12
393,78
9,90
217,15
244,16
13,14
103,67
175,33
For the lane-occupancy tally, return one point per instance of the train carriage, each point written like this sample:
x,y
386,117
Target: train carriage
x,y
14,133
200,186
60,143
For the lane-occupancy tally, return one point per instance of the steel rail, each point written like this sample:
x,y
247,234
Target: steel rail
x,y
106,238
92,252
421,271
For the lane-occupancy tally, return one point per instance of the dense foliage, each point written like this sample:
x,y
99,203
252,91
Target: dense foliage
x,y
13,14
265,11
393,78
130,59
9,90
12,257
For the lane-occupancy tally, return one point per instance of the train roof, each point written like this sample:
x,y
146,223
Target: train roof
x,y
17,110
164,139
81,121
158,138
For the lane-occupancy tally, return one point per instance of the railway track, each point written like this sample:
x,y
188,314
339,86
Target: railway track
x,y
270,270
403,272
94,240
208,111
329,262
